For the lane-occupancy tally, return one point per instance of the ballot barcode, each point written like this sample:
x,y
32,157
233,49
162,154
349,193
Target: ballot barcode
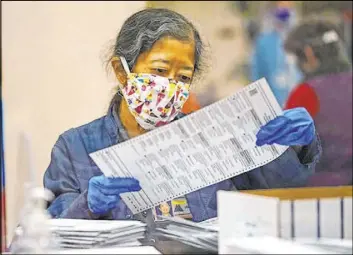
x,y
246,156
253,92
182,130
203,139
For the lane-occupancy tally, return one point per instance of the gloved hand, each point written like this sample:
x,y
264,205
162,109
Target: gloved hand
x,y
104,193
294,127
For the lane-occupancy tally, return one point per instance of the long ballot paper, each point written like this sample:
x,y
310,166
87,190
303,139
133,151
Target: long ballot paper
x,y
201,149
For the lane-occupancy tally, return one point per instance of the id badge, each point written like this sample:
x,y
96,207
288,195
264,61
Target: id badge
x,y
175,208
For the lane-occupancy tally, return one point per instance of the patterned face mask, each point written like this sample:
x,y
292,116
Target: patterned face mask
x,y
153,100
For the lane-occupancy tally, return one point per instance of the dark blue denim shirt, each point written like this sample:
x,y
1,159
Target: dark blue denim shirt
x,y
71,168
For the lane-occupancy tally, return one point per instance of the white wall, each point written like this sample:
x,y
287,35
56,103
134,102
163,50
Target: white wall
x,y
53,77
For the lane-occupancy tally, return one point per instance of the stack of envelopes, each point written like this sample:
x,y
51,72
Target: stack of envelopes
x,y
82,234
202,235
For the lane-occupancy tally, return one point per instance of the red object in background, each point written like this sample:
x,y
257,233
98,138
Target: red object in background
x,y
304,96
191,104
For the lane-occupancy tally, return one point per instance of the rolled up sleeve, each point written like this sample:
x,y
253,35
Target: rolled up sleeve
x,y
310,154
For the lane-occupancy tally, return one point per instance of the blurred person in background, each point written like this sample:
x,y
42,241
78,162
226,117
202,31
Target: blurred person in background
x,y
326,93
269,58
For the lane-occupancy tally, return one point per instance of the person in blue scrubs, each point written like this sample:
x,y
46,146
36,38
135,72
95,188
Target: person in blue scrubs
x,y
269,59
162,45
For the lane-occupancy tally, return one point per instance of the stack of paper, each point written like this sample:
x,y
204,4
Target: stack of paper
x,y
85,234
203,235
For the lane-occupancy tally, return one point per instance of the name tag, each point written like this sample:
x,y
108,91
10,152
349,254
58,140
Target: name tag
x,y
175,208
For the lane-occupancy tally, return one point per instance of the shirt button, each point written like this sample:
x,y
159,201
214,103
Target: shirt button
x,y
128,216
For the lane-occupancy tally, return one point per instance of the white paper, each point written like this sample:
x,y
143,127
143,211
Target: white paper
x,y
202,235
244,215
201,149
306,218
285,220
210,224
347,217
87,226
73,233
330,218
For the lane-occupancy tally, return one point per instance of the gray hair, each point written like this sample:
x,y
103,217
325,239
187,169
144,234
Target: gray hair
x,y
141,30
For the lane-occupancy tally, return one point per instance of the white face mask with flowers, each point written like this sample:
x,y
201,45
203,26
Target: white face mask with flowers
x,y
153,100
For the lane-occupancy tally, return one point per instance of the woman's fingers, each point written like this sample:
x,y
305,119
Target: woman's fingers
x,y
273,137
115,183
112,200
273,128
289,136
292,137
118,182
294,127
110,191
101,203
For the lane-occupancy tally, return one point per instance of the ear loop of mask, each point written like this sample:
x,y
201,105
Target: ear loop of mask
x,y
126,69
125,65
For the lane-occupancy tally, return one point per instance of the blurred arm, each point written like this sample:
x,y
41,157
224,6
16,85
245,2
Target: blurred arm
x,y
257,60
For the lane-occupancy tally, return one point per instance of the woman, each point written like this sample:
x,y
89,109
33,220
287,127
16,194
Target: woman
x,y
326,93
161,44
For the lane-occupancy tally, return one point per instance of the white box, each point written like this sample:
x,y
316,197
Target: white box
x,y
285,213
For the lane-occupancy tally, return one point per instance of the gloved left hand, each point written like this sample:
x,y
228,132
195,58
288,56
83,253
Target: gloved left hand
x,y
294,127
104,192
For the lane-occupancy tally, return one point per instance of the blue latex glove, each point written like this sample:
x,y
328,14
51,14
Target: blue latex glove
x,y
294,127
104,193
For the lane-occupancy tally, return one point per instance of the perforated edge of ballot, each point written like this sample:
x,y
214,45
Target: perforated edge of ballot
x,y
206,147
